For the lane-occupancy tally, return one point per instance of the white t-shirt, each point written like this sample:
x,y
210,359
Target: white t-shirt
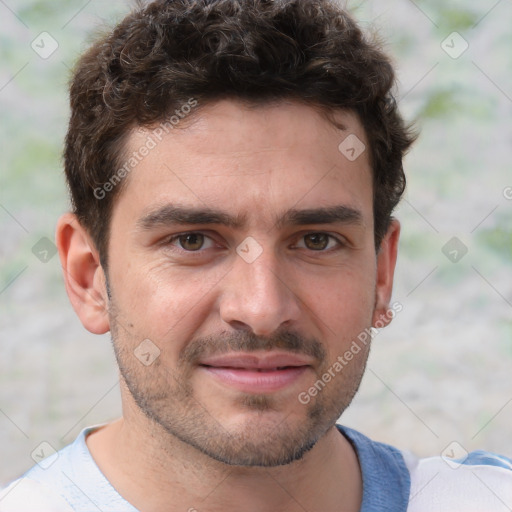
x,y
393,481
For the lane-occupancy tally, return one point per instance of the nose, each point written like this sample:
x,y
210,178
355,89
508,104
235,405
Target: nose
x,y
259,295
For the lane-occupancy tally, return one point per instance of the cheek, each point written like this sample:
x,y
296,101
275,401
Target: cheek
x,y
342,306
163,304
346,314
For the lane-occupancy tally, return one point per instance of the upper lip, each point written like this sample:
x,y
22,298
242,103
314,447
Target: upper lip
x,y
263,361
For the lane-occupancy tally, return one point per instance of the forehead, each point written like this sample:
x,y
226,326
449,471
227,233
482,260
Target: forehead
x,y
268,157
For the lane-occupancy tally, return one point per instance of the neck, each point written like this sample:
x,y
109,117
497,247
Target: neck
x,y
162,473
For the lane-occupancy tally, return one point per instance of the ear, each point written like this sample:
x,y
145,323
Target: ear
x,y
386,261
83,274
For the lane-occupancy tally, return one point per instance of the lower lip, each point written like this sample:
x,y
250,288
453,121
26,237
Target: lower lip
x,y
251,381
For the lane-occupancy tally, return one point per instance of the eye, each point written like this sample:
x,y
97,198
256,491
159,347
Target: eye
x,y
191,242
319,241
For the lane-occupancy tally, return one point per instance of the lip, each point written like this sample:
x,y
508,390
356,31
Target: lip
x,y
257,373
257,361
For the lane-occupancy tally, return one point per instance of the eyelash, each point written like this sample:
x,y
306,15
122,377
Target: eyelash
x,y
169,242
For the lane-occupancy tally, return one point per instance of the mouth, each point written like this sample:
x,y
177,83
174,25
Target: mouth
x,y
260,370
257,373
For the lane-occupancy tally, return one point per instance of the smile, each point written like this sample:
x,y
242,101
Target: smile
x,y
252,373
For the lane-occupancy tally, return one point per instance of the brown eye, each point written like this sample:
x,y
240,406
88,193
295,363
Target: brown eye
x,y
316,241
191,241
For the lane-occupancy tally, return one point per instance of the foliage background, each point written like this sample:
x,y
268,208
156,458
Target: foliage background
x,y
439,373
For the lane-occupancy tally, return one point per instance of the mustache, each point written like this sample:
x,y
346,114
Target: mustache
x,y
246,341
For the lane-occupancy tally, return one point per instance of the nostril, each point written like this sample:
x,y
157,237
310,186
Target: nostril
x,y
239,326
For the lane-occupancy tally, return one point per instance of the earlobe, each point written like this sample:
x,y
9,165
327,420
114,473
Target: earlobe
x,y
386,261
83,274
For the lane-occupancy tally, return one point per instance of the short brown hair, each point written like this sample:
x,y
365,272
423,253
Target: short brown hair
x,y
257,51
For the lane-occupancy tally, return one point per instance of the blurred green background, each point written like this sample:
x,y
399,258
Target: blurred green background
x,y
440,372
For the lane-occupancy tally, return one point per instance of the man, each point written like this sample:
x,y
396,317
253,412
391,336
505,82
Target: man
x,y
233,168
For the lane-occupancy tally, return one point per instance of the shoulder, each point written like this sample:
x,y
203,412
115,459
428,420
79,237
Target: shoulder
x,y
479,482
39,488
27,495
67,480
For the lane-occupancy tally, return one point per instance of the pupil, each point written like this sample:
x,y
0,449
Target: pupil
x,y
192,242
317,241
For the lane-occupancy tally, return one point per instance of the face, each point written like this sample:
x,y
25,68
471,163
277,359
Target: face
x,y
242,252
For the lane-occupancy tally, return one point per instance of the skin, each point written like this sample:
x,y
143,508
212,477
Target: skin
x,y
187,439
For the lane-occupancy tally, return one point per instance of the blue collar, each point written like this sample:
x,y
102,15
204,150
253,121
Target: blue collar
x,y
386,479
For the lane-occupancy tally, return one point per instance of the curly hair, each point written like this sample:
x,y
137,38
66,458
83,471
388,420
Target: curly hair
x,y
257,51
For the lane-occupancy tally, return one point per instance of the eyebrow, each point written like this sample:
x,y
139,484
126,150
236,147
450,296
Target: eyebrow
x,y
174,214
